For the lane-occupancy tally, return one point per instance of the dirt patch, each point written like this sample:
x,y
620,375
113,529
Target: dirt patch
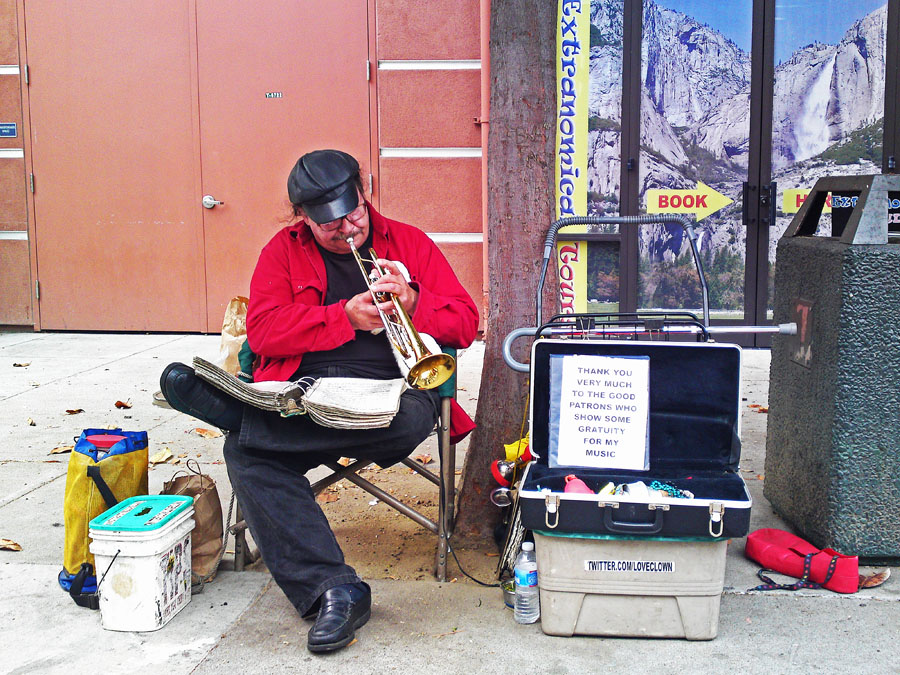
x,y
381,543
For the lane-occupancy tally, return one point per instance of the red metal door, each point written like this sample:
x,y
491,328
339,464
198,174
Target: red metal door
x,y
118,234
274,83
139,109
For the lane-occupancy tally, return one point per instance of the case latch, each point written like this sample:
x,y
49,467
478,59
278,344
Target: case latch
x,y
552,509
661,507
716,516
612,505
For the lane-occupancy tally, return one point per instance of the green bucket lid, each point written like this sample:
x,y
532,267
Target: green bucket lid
x,y
142,514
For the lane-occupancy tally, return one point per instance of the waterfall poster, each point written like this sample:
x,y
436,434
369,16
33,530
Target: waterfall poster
x,y
696,81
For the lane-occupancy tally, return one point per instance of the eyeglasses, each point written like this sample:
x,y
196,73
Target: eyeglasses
x,y
354,216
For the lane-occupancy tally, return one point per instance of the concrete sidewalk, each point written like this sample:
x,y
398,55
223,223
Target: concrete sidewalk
x,y
243,622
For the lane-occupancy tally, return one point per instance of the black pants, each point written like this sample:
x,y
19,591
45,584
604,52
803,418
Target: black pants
x,y
266,463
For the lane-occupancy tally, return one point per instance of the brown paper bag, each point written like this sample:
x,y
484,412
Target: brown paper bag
x,y
207,543
234,332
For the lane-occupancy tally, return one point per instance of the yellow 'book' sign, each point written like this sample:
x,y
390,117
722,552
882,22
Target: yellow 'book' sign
x,y
702,200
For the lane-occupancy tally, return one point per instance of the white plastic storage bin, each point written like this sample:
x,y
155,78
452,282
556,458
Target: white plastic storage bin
x,y
142,548
630,586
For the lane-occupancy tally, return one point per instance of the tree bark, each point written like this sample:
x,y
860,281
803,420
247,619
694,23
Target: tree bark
x,y
520,210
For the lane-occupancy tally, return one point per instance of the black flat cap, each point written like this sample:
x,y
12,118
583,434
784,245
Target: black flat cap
x,y
322,184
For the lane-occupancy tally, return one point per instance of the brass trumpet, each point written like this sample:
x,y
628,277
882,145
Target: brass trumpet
x,y
422,367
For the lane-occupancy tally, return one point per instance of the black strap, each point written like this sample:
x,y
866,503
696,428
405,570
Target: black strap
x,y
88,600
102,487
804,582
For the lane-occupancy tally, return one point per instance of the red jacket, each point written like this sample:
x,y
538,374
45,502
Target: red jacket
x,y
286,318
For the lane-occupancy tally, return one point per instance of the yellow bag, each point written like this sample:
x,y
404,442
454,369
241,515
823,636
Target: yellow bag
x,y
106,466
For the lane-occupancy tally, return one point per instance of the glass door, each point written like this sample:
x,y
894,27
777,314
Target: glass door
x,y
694,152
828,106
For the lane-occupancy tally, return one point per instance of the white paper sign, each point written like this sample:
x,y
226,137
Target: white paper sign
x,y
603,412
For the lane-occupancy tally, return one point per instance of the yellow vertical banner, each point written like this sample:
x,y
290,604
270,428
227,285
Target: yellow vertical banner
x,y
572,90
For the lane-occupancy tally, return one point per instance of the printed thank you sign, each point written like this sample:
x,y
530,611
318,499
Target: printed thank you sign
x,y
603,407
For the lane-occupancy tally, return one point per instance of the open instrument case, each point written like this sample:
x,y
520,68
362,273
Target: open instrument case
x,y
694,445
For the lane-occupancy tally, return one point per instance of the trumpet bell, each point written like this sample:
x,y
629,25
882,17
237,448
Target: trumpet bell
x,y
431,371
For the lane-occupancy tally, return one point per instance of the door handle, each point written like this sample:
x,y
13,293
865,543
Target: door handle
x,y
210,202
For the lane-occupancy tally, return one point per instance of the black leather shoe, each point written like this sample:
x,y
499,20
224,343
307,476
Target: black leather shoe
x,y
193,396
339,617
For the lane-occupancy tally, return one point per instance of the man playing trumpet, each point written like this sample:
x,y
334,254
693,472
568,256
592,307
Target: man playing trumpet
x,y
312,313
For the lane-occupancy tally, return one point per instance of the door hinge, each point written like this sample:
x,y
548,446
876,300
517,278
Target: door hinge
x,y
37,289
25,73
31,182
370,185
368,71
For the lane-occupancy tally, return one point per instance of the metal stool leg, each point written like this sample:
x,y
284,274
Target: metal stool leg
x,y
240,540
447,491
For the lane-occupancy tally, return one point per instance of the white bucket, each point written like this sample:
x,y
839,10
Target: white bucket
x,y
144,569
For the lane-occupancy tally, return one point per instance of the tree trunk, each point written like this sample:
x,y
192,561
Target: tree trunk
x,y
520,178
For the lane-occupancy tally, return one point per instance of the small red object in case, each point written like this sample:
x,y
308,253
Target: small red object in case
x,y
575,484
784,552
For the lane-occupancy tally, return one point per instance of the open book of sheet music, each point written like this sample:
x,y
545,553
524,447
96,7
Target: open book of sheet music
x,y
337,402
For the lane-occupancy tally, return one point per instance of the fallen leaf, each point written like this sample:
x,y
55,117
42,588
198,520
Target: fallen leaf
x,y
344,461
763,409
9,545
123,404
874,580
759,476
327,497
163,455
61,449
51,461
207,433
424,458
21,365
492,555
754,405
74,411
31,422
175,461
454,631
182,455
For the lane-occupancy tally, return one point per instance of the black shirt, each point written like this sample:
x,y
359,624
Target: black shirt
x,y
367,355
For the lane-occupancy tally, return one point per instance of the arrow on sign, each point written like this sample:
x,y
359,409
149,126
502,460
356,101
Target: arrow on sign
x,y
702,200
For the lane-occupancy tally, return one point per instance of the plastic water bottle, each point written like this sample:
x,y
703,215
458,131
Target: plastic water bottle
x,y
528,599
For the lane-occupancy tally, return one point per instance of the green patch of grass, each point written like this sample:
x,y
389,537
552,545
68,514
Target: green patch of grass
x,y
865,143
598,40
602,124
603,307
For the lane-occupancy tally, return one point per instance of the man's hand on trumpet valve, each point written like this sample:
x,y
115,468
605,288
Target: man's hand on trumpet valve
x,y
362,312
395,282
361,309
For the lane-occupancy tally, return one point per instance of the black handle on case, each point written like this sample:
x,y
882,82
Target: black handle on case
x,y
625,527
